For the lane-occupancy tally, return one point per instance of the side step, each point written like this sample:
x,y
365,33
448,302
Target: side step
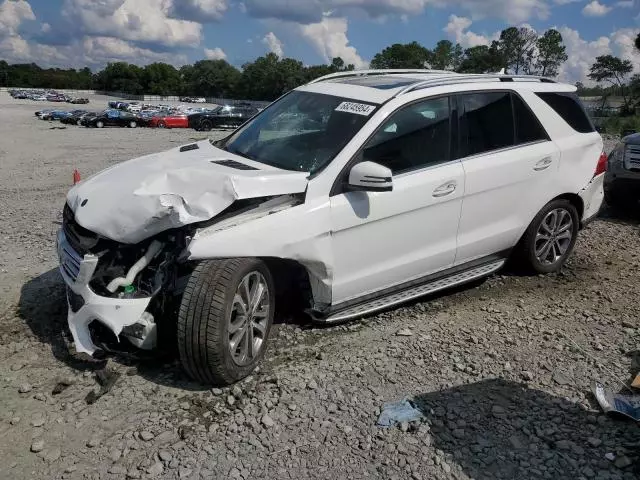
x,y
402,296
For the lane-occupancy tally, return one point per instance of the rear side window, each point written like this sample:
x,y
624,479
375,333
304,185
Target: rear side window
x,y
487,122
568,106
528,127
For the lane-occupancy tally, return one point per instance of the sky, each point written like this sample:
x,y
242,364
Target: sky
x,y
79,33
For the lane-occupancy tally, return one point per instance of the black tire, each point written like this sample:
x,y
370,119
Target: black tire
x,y
162,125
206,126
204,318
133,124
525,254
99,124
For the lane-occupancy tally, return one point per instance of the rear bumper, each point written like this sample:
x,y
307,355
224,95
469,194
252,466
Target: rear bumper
x,y
592,197
84,306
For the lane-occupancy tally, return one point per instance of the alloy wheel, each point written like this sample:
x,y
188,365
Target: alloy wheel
x,y
248,320
554,236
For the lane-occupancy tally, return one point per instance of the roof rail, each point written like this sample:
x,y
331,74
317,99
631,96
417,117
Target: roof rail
x,y
471,78
367,73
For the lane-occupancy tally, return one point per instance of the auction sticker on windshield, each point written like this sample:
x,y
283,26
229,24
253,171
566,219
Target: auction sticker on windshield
x,y
357,108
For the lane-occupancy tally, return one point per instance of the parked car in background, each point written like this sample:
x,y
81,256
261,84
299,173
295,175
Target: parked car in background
x,y
169,121
42,112
222,117
622,182
112,118
200,100
54,115
74,117
78,101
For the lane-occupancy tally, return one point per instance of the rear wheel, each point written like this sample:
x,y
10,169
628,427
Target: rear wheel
x,y
133,124
206,126
550,238
99,124
225,319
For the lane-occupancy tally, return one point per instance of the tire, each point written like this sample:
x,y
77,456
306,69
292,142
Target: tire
x,y
206,126
559,221
132,124
78,122
162,125
206,315
99,124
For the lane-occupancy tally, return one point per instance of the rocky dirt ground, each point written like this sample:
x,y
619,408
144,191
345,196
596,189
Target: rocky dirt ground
x,y
502,371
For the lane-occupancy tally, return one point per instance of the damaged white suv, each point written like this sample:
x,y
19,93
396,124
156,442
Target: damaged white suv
x,y
346,196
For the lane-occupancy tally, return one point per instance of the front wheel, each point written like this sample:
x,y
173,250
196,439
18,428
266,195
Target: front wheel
x,y
133,124
206,126
550,238
225,318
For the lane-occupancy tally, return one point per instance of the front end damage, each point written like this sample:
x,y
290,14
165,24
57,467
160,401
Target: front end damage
x,y
125,288
131,289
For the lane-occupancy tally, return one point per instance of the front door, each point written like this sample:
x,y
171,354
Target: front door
x,y
383,239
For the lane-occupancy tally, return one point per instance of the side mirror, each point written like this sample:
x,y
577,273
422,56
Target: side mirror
x,y
370,177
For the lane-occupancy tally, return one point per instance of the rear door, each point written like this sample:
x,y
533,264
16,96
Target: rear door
x,y
382,239
510,167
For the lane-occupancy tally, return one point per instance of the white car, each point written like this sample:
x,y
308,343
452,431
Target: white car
x,y
200,100
389,185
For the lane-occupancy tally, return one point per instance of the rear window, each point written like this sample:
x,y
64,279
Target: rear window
x,y
568,106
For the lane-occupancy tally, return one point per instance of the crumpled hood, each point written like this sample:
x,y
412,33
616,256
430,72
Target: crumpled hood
x,y
137,199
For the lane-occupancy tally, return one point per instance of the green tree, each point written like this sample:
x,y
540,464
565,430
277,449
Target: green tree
x,y
551,53
517,48
614,71
121,77
446,56
210,78
269,77
481,59
410,55
162,79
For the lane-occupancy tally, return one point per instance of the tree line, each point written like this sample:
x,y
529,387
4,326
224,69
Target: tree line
x,y
516,51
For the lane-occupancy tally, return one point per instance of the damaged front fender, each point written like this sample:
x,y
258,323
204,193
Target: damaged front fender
x,y
279,229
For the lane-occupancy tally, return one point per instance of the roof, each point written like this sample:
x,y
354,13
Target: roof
x,y
379,86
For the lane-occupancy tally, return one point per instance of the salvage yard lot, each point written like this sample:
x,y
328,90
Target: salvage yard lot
x,y
502,371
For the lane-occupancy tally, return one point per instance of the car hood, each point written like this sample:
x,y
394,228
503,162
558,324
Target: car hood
x,y
137,199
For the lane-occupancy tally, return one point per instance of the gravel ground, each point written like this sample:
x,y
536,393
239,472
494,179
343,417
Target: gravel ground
x,y
502,371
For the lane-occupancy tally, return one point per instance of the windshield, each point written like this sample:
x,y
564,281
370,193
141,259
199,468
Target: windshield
x,y
303,131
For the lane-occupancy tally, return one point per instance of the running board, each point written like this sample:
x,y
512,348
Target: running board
x,y
402,296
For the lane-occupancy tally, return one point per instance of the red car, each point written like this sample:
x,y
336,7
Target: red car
x,y
169,121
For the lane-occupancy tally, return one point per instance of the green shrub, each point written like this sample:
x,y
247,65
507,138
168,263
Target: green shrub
x,y
616,125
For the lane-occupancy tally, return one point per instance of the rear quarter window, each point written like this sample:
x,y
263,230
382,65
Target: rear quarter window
x,y
569,107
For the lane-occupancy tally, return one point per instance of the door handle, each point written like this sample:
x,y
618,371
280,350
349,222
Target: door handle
x,y
543,164
444,190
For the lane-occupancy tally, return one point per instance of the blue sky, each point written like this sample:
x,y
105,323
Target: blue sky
x,y
93,32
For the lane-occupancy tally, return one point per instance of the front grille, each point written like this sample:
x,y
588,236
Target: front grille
x,y
632,157
69,261
81,239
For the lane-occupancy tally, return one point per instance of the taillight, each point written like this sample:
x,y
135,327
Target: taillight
x,y
602,165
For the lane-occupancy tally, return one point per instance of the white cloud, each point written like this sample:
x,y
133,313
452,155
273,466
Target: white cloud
x,y
198,10
274,44
12,14
582,53
215,54
595,9
329,38
133,20
625,4
312,11
458,30
98,50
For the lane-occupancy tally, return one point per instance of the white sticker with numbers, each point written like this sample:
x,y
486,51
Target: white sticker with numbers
x,y
357,108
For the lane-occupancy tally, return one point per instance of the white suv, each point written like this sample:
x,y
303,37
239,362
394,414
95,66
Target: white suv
x,y
346,196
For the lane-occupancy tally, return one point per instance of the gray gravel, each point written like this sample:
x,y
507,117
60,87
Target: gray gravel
x,y
501,371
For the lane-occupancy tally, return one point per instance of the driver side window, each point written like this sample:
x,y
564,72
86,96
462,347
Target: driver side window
x,y
415,137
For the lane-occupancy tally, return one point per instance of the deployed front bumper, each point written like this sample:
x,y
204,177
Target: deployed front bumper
x,y
85,306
